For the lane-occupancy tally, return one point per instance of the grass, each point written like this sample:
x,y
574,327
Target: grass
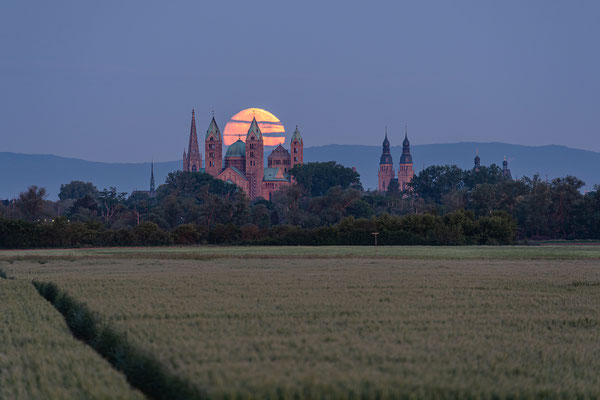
x,y
40,359
550,252
352,327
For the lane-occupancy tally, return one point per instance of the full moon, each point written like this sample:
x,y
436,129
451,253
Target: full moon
x,y
270,126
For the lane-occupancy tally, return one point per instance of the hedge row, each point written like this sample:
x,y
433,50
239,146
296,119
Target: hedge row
x,y
458,228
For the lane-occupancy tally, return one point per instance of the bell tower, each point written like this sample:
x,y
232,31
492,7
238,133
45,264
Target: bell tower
x,y
213,149
255,161
386,166
406,173
297,149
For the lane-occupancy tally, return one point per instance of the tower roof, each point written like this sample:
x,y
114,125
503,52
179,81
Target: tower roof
x,y
237,149
254,128
213,128
406,157
152,177
279,151
386,142
405,142
193,143
296,136
386,156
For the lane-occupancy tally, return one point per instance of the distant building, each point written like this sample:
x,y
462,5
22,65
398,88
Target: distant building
x,y
405,173
505,171
386,174
152,192
244,160
386,166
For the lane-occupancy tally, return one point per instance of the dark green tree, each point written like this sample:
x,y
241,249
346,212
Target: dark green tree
x,y
316,178
31,202
433,182
110,202
77,190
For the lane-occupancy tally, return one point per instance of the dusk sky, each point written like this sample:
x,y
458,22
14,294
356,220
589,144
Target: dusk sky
x,y
117,80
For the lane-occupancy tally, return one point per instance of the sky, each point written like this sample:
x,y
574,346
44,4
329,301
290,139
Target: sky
x,y
117,80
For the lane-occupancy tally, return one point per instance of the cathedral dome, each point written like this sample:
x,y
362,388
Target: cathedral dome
x,y
237,149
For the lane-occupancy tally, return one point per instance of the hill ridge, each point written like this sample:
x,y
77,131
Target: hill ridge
x,y
50,171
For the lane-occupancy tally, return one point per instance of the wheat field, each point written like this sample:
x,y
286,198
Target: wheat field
x,y
347,327
40,359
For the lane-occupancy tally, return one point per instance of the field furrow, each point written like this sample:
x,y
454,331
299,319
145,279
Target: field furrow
x,y
371,328
40,359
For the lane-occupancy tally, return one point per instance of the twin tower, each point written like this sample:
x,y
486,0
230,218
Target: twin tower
x,y
387,177
244,162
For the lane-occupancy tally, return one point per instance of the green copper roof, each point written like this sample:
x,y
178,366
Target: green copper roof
x,y
213,128
296,136
238,172
275,174
238,149
254,129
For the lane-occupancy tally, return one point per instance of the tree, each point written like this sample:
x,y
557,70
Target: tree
x,y
190,184
433,182
482,199
77,190
483,175
110,201
533,212
316,178
565,196
31,202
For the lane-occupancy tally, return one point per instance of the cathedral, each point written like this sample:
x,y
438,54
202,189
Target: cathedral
x,y
387,176
244,160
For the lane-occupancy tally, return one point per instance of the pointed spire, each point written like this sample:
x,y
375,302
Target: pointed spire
x,y
406,157
193,143
386,157
152,177
386,142
254,128
296,136
406,142
213,128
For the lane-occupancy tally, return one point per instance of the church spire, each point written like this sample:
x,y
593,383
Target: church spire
x,y
152,177
254,128
193,163
386,156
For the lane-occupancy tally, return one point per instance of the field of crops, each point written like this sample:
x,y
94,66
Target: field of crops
x,y
328,323
40,359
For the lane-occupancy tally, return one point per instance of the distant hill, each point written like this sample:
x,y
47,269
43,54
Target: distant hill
x,y
22,170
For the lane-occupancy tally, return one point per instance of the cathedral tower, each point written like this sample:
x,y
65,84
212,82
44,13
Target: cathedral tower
x,y
297,148
255,161
192,161
386,166
405,174
213,149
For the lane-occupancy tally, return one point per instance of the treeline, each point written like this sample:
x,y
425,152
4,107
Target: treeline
x,y
317,209
543,209
457,228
